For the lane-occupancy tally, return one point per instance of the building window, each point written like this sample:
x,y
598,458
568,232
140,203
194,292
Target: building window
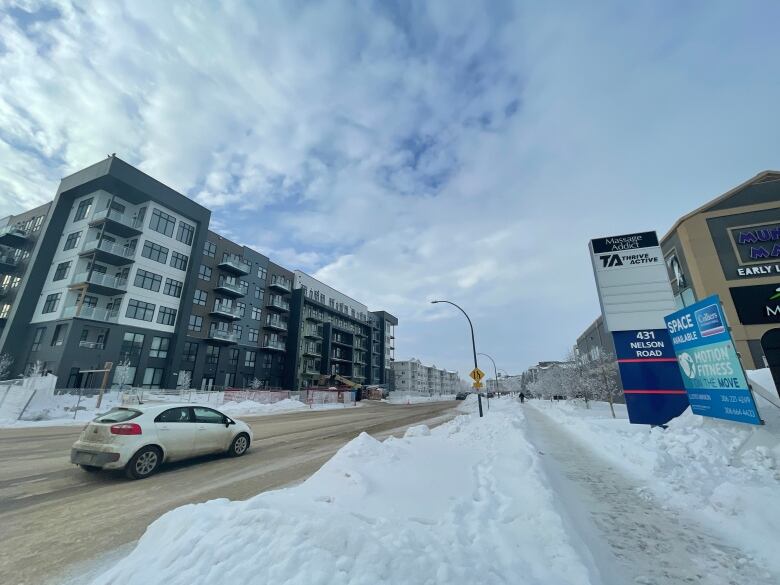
x,y
262,272
83,209
234,358
185,233
38,223
72,241
256,313
238,330
152,377
249,359
159,347
62,271
155,252
36,344
204,272
162,222
147,280
254,334
244,286
190,351
50,305
132,343
173,287
212,355
201,297
166,316
241,309
266,360
179,261
140,310
258,292
59,335
196,323
209,249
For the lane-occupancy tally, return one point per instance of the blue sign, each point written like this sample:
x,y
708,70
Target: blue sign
x,y
710,367
652,385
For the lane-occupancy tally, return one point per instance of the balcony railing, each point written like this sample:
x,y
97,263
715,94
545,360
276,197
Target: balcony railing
x,y
278,303
309,349
235,264
133,223
13,234
100,279
275,323
222,335
312,332
92,344
10,261
270,344
231,288
110,247
280,282
94,313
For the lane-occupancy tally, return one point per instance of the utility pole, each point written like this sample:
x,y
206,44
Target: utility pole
x,y
495,373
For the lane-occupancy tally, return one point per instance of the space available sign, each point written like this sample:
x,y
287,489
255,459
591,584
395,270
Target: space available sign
x,y
757,305
711,370
635,295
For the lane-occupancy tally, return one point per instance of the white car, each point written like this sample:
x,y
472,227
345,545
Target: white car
x,y
140,438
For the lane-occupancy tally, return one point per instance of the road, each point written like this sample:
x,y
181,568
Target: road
x,y
55,517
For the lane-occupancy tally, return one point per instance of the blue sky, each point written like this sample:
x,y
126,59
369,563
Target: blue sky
x,y
404,151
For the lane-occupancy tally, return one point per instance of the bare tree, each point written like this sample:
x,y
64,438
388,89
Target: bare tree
x,y
122,375
34,370
604,369
255,383
6,361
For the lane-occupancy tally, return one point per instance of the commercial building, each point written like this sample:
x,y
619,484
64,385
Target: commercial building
x,y
121,269
730,247
413,376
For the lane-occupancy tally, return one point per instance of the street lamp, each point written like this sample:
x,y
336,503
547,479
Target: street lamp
x,y
473,344
495,373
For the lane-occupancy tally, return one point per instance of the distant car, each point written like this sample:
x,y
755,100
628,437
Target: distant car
x,y
491,394
461,395
140,438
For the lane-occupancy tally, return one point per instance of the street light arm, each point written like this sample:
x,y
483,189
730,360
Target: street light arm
x,y
495,370
473,343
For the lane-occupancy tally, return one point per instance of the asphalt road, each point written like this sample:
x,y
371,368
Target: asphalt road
x,y
55,518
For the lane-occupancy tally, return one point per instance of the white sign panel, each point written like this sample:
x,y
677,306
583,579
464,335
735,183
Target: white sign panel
x,y
632,281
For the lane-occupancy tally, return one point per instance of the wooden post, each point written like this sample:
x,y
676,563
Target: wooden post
x,y
106,371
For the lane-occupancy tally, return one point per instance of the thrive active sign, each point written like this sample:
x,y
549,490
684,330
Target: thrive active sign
x,y
711,370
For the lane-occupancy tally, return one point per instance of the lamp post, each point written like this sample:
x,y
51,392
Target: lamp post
x,y
473,344
495,373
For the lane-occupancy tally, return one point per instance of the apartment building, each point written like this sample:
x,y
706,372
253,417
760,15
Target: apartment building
x,y
120,268
413,376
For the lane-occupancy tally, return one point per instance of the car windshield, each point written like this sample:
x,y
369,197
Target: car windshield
x,y
116,415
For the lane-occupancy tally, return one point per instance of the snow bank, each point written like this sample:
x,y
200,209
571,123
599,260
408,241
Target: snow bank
x,y
716,469
402,398
59,410
252,407
465,502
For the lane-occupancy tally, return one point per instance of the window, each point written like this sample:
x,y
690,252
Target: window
x,y
261,272
204,272
254,334
201,297
50,305
196,323
132,343
162,222
241,309
179,261
38,223
238,330
244,286
152,377
90,301
190,351
147,280
234,357
173,287
36,344
206,415
72,240
174,415
139,310
258,292
212,355
249,359
185,233
155,252
159,347
59,335
83,209
256,313
209,249
266,360
62,270
166,316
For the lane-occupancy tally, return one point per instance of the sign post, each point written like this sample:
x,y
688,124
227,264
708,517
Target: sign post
x,y
711,370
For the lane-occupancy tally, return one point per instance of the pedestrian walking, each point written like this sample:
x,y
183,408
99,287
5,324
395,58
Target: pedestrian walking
x,y
522,398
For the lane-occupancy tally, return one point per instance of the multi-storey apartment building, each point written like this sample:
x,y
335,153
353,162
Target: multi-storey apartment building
x,y
413,376
120,268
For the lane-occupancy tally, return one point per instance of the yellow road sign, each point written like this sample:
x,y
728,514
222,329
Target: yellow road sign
x,y
477,375
477,384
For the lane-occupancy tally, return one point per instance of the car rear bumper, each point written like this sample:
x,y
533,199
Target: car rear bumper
x,y
107,459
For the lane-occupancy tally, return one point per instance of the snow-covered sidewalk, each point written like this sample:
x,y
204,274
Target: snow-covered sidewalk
x,y
464,503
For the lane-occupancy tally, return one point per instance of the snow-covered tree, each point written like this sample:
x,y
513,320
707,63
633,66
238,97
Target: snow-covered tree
x,y
606,377
34,370
255,383
6,361
185,380
123,374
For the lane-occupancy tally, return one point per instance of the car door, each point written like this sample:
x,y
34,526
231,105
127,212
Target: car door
x,y
176,430
212,435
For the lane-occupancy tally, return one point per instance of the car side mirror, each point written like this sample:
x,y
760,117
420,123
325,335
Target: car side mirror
x,y
229,421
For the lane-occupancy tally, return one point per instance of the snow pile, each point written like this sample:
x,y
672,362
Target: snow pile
x,y
59,409
465,502
719,470
405,398
252,407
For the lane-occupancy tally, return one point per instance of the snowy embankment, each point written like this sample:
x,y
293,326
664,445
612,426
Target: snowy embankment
x,y
404,398
465,502
724,473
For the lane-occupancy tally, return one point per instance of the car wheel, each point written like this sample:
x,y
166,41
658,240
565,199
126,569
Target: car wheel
x,y
239,445
90,468
144,463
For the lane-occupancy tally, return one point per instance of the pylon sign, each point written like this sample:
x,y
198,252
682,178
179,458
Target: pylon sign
x,y
476,374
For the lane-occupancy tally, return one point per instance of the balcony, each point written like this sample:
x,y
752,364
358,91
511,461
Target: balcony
x,y
4,290
8,263
93,313
92,344
109,252
342,358
225,312
341,341
280,283
275,323
229,288
311,350
99,283
275,302
311,370
313,332
236,265
222,336
274,345
117,223
14,236
311,316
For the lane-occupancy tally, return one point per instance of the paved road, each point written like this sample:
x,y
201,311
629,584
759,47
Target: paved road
x,y
53,516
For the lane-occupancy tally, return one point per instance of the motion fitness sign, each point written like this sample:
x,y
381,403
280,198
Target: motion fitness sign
x,y
635,296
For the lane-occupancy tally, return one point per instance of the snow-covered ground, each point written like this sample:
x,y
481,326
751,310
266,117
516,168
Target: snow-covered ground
x,y
465,502
406,398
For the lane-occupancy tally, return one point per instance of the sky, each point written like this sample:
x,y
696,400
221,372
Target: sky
x,y
407,151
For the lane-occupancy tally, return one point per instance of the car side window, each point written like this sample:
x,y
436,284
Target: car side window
x,y
206,415
174,415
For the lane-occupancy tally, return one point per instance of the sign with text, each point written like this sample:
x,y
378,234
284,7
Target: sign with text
x,y
757,305
708,361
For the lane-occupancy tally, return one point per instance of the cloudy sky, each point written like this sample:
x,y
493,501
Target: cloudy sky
x,y
405,151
